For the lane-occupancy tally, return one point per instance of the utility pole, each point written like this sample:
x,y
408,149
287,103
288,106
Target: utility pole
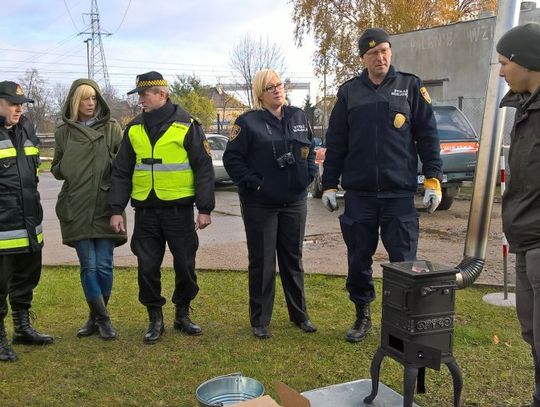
x,y
87,42
97,66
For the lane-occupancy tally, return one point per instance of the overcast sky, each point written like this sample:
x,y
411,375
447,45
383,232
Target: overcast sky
x,y
170,36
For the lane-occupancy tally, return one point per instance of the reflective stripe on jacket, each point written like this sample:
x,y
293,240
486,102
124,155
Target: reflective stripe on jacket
x,y
16,239
164,168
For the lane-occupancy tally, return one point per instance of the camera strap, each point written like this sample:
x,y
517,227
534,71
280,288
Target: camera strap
x,y
274,152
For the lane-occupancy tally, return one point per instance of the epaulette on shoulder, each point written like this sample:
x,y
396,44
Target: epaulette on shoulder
x,y
350,80
409,74
250,111
196,120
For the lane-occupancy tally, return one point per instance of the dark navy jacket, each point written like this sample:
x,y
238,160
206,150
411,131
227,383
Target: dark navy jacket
x,y
258,138
375,134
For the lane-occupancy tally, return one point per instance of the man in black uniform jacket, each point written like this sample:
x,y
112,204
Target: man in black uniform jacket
x,y
164,164
381,122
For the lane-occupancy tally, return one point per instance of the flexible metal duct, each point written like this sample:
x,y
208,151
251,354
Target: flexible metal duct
x,y
488,157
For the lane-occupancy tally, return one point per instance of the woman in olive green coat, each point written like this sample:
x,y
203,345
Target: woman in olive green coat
x,y
85,145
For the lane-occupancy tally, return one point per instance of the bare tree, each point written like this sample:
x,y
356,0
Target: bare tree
x,y
38,112
251,55
59,96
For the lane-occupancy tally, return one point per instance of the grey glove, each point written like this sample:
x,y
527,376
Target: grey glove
x,y
329,200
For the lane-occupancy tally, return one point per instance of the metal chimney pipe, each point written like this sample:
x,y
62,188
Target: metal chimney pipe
x,y
485,176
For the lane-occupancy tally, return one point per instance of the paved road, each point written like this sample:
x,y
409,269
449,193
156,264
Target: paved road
x,y
222,244
223,247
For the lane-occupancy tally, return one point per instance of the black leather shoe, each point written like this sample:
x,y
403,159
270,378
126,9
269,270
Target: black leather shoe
x,y
306,326
23,331
261,332
361,326
156,326
183,323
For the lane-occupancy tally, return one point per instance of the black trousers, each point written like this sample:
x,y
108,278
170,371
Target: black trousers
x,y
271,229
154,227
19,275
364,216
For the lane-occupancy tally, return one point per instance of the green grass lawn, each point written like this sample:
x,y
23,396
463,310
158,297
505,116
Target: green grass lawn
x,y
126,372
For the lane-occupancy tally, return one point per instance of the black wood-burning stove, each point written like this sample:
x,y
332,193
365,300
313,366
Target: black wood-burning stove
x,y
417,327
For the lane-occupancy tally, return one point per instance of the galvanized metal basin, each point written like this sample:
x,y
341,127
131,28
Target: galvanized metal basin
x,y
227,390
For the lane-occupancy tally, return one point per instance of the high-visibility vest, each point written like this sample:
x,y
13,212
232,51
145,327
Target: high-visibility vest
x,y
165,167
18,238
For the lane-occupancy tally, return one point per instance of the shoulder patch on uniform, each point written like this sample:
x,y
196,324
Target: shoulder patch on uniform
x,y
425,94
196,120
235,131
207,148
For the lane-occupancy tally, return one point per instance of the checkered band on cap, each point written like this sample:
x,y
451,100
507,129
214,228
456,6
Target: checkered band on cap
x,y
155,82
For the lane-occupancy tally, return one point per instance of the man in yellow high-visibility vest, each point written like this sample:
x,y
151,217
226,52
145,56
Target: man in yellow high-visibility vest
x,y
164,166
21,234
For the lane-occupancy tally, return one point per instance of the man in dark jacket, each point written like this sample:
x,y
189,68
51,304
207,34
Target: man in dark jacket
x,y
164,165
381,122
519,57
21,233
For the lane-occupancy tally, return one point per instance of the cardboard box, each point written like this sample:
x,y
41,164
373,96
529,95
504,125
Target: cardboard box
x,y
287,396
264,401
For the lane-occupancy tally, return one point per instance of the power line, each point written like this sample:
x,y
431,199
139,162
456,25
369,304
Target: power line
x,y
123,18
70,16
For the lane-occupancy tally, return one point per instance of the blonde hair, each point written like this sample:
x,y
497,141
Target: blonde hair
x,y
260,81
81,93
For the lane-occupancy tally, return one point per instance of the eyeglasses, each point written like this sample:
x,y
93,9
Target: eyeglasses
x,y
273,88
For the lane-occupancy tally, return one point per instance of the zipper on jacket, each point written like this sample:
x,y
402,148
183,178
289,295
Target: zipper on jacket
x,y
377,146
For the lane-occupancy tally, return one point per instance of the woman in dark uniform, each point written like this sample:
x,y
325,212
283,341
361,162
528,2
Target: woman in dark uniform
x,y
270,158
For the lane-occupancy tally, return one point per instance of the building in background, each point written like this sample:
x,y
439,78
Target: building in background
x,y
228,108
454,61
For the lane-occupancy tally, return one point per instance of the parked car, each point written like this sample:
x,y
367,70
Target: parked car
x,y
459,146
217,146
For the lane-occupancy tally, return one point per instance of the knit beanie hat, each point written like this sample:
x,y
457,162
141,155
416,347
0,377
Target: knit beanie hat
x,y
522,45
371,38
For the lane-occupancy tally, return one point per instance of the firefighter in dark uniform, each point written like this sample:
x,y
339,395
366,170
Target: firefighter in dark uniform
x,y
381,121
270,158
164,165
21,232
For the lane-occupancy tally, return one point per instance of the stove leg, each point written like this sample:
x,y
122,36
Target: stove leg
x,y
421,382
375,369
409,381
457,379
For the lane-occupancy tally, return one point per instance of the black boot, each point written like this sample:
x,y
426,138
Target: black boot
x,y
156,326
90,328
362,325
183,323
101,318
23,331
6,351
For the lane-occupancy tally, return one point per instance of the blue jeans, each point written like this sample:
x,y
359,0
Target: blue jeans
x,y
96,258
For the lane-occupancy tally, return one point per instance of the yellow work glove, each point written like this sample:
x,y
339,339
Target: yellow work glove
x,y
433,194
329,199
